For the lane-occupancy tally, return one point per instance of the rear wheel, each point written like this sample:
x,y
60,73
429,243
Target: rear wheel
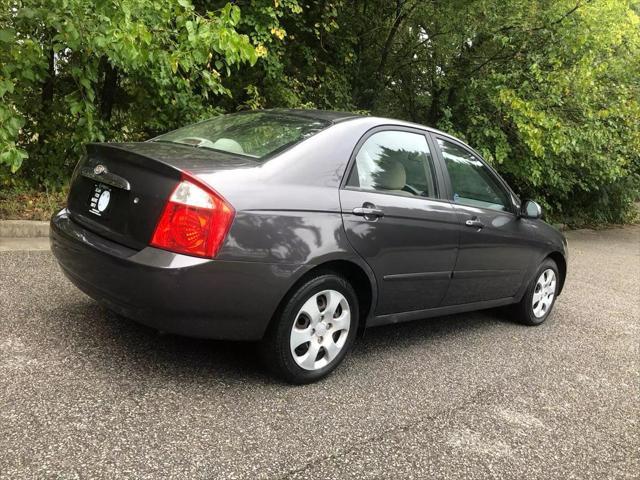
x,y
313,331
538,301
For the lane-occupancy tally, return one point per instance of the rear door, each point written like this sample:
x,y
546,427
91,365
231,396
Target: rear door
x,y
396,222
494,251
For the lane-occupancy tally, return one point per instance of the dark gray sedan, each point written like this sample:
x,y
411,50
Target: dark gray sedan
x,y
300,229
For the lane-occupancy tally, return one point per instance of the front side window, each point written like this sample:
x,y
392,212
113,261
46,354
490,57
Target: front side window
x,y
472,182
254,134
394,162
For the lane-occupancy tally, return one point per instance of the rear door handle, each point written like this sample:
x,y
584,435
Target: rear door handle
x,y
369,213
474,223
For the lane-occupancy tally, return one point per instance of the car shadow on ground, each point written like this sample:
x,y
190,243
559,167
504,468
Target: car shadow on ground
x,y
116,345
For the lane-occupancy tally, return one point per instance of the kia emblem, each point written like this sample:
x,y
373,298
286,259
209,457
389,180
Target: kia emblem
x,y
98,169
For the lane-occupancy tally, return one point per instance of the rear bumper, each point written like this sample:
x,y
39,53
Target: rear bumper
x,y
172,292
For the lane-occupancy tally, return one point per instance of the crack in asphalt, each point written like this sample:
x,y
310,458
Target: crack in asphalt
x,y
403,428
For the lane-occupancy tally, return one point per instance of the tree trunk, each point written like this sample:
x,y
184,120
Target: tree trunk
x,y
47,86
46,96
109,86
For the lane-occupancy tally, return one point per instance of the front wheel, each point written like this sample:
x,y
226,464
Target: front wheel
x,y
538,301
313,331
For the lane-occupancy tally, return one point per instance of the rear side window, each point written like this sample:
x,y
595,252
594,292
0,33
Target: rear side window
x,y
394,162
472,182
254,134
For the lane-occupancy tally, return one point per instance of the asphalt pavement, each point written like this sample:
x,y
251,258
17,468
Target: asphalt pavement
x,y
86,394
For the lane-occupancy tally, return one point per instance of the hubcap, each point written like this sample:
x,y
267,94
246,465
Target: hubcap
x,y
544,293
320,330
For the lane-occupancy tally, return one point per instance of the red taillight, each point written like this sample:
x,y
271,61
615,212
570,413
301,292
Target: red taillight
x,y
194,221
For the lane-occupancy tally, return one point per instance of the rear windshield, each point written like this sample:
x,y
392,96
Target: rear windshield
x,y
255,134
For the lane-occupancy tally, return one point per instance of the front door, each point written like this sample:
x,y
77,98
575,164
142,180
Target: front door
x,y
395,221
493,252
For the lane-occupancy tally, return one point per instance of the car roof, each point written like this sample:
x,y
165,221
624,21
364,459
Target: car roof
x,y
403,123
332,116
322,115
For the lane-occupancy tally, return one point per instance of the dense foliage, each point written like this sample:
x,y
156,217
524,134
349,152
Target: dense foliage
x,y
547,90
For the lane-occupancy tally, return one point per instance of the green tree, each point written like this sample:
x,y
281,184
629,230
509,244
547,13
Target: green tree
x,y
547,90
73,71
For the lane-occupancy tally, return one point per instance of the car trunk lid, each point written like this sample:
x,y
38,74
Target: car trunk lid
x,y
120,189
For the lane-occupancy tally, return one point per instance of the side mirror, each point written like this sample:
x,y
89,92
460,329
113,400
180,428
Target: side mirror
x,y
531,209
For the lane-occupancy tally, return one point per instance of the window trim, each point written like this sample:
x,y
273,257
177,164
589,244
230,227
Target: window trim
x,y
511,197
434,165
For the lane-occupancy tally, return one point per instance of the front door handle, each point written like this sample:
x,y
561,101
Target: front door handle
x,y
368,211
474,223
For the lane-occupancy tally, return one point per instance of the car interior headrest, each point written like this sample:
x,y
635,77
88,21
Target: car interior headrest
x,y
393,177
228,145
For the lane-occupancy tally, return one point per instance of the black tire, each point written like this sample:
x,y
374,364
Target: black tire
x,y
523,311
276,349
